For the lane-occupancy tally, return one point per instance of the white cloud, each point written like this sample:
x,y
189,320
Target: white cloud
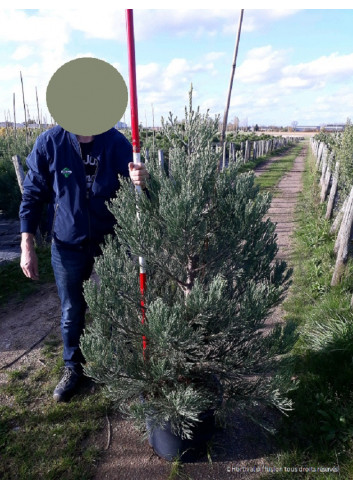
x,y
294,82
167,87
95,23
258,19
268,66
109,23
281,13
267,102
180,66
19,26
214,56
148,76
211,104
42,35
324,68
22,52
260,65
180,72
9,72
150,23
335,107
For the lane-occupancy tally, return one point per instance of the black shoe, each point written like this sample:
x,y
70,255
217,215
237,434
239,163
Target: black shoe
x,y
67,385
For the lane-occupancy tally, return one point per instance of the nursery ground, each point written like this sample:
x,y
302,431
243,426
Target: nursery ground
x,y
240,453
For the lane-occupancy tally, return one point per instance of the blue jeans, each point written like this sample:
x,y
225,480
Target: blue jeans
x,y
71,268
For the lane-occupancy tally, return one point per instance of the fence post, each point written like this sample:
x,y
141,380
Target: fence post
x,y
161,159
19,171
342,242
324,166
333,192
246,151
255,151
338,219
232,151
224,155
326,177
319,154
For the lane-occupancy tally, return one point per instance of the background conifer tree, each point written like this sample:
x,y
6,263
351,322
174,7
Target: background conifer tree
x,y
212,279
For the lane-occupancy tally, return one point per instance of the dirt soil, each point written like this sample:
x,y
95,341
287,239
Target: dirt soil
x,y
241,452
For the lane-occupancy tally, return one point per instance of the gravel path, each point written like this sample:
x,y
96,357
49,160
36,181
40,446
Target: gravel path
x,y
9,239
283,204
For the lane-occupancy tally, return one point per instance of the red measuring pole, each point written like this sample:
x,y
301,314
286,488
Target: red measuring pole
x,y
135,138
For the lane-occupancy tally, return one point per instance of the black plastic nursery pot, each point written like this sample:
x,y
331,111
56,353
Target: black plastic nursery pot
x,y
170,446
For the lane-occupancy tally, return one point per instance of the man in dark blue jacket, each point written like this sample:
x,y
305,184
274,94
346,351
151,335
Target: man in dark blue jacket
x,y
75,176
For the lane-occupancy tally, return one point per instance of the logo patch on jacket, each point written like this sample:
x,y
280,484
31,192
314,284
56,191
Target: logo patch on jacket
x,y
66,172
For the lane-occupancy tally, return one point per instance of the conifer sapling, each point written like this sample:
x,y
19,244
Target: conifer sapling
x,y
212,279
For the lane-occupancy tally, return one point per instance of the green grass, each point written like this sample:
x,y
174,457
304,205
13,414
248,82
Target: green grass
x,y
177,471
269,179
41,439
319,432
16,286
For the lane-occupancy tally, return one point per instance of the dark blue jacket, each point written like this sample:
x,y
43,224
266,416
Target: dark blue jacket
x,y
56,176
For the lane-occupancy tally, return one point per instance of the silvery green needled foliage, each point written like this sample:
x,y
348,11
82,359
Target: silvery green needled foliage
x,y
211,282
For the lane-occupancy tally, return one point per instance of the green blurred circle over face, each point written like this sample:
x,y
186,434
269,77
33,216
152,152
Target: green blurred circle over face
x,y
87,96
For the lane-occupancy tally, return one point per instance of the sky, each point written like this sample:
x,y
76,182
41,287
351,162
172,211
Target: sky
x,y
292,65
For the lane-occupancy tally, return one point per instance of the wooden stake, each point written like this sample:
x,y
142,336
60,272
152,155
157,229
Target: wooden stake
x,y
14,115
161,159
338,219
333,192
342,242
225,116
19,171
24,108
39,121
326,176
